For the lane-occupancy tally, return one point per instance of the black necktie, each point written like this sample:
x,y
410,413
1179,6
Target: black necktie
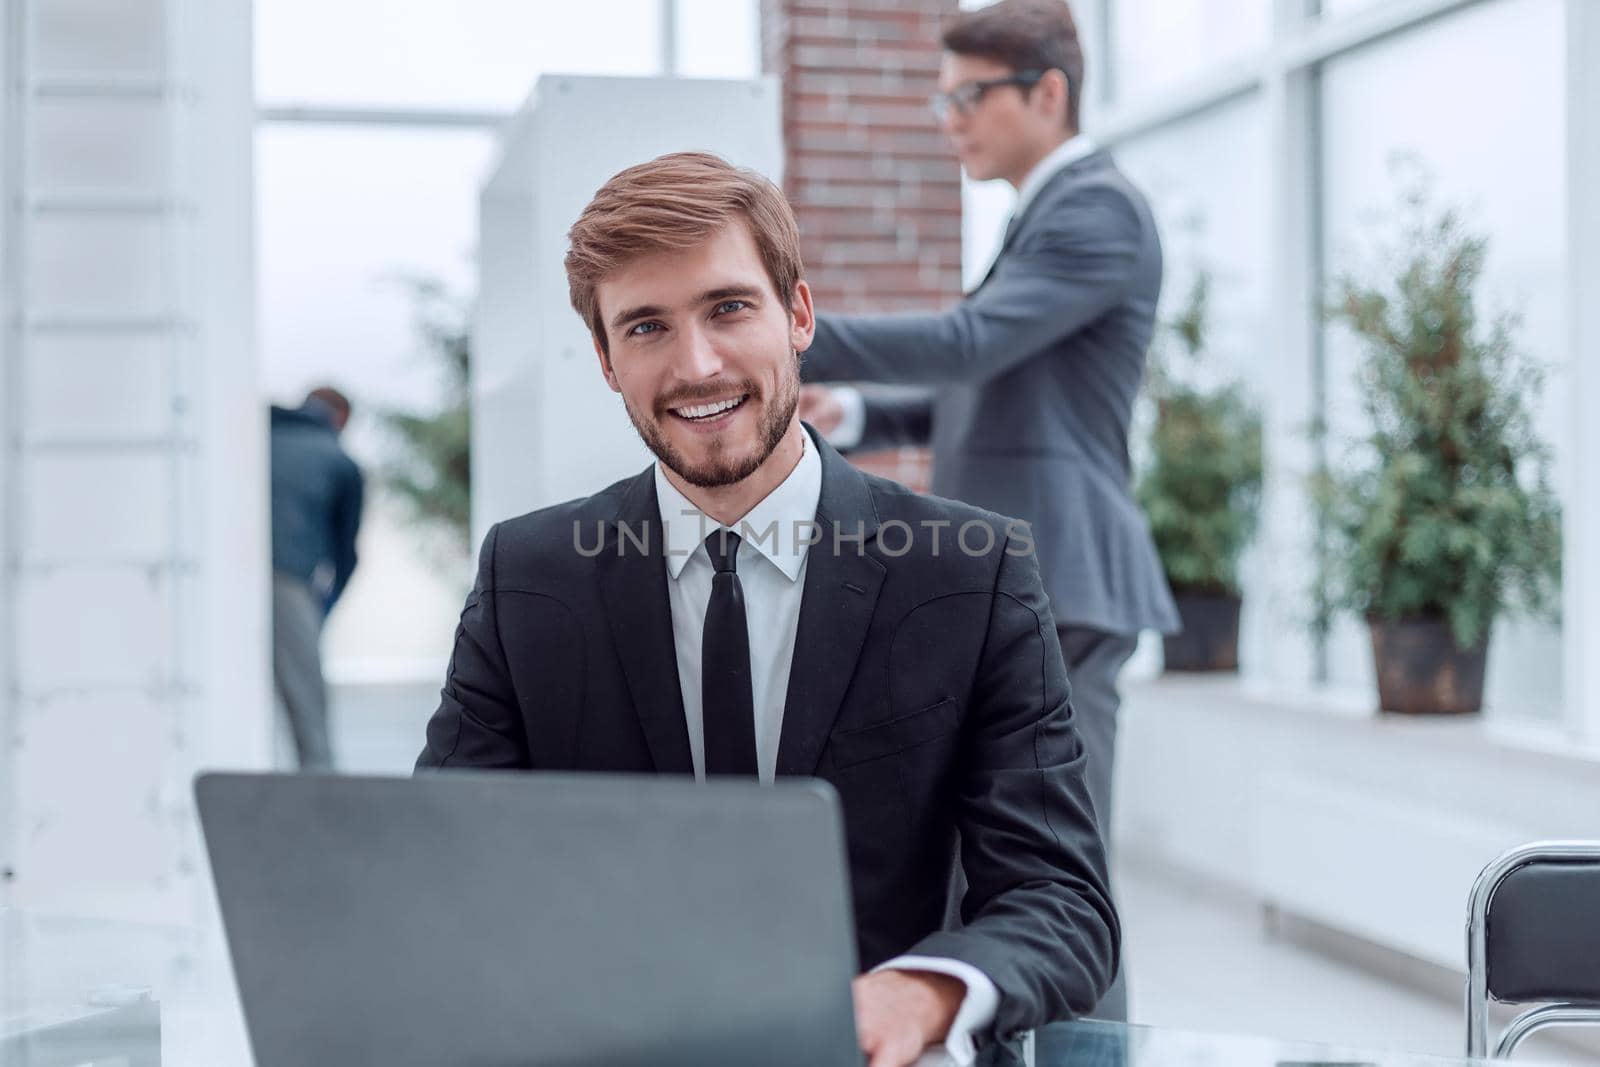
x,y
727,706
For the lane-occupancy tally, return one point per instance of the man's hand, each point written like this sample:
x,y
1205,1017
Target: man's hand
x,y
820,408
900,1013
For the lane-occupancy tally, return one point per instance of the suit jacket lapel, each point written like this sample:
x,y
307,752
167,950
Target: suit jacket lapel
x,y
841,592
1097,158
639,613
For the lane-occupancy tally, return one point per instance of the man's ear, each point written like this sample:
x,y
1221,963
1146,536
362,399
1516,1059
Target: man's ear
x,y
1053,92
802,317
605,364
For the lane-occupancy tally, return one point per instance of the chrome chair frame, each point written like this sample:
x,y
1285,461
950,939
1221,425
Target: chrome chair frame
x,y
1537,1018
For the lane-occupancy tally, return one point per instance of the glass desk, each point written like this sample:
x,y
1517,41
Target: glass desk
x,y
1097,1044
77,992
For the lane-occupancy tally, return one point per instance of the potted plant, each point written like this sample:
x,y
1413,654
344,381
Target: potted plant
x,y
429,467
1442,517
1200,490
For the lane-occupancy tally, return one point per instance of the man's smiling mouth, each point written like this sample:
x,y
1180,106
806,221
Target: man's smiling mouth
x,y
707,411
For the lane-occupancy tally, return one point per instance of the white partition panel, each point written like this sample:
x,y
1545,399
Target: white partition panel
x,y
133,528
545,426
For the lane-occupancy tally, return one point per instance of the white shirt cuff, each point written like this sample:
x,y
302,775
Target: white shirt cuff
x,y
853,424
977,1007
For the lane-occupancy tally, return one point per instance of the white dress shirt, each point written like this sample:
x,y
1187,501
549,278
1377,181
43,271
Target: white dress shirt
x,y
771,571
771,565
854,421
1060,157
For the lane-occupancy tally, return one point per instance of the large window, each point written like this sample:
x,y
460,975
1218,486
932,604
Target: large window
x,y
1157,44
345,213
1497,151
346,216
1289,184
469,54
1208,207
1338,9
380,188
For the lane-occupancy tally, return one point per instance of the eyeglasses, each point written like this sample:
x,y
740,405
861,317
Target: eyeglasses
x,y
964,98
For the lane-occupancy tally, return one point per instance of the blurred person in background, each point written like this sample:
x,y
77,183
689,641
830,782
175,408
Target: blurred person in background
x,y
1029,382
316,512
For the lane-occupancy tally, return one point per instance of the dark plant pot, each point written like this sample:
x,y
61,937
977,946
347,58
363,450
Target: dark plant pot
x,y
1210,637
1422,672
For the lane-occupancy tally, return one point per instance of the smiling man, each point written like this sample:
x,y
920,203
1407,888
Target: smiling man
x,y
753,605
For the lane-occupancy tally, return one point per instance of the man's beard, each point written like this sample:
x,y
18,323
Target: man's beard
x,y
721,468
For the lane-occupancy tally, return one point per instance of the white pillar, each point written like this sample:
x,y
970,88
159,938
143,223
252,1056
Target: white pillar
x,y
1581,494
10,407
669,38
1292,394
233,723
136,550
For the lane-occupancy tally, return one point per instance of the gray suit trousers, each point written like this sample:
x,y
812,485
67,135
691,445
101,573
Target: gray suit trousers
x,y
1094,659
297,669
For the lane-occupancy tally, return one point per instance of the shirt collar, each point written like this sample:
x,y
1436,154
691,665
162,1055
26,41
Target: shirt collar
x,y
1063,155
776,527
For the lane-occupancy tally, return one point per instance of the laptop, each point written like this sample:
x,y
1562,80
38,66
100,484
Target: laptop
x,y
493,919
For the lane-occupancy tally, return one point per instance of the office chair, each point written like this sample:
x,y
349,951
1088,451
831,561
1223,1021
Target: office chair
x,y
1533,937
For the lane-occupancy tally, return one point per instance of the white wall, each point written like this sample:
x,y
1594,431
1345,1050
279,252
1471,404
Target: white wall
x,y
135,497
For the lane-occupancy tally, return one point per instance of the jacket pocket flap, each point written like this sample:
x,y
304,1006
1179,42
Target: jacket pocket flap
x,y
896,735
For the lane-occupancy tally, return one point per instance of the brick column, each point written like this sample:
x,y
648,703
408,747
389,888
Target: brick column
x,y
874,185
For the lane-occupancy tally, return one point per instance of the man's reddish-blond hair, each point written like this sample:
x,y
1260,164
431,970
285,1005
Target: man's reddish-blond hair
x,y
676,201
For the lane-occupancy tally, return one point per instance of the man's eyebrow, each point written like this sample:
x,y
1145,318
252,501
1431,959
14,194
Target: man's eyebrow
x,y
645,311
729,292
627,315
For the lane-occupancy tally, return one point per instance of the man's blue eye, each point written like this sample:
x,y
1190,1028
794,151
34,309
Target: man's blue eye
x,y
734,305
638,330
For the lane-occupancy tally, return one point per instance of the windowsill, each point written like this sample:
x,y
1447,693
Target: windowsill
x,y
1484,732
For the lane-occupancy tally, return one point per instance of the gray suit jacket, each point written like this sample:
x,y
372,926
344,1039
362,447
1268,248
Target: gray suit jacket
x,y
1030,383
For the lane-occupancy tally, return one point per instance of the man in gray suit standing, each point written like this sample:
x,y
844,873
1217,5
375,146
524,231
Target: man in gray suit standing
x,y
1028,384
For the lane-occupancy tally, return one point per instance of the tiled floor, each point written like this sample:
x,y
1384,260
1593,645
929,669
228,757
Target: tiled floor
x,y
1202,960
1198,959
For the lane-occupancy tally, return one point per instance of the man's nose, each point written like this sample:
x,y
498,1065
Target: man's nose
x,y
697,357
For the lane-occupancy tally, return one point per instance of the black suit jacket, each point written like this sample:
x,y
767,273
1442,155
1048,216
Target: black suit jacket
x,y
929,690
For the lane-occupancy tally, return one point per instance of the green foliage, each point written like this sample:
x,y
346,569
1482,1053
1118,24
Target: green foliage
x,y
1444,509
1201,488
431,468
